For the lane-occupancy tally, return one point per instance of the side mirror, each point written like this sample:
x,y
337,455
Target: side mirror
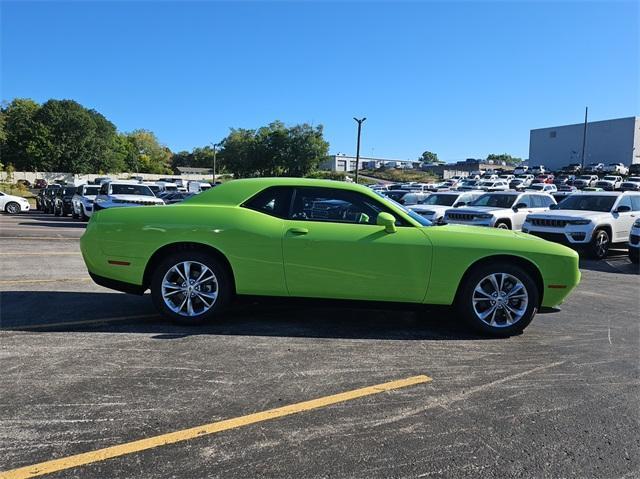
x,y
623,209
388,221
518,206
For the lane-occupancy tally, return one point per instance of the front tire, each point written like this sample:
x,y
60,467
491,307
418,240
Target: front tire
x,y
12,208
498,299
191,288
600,243
503,225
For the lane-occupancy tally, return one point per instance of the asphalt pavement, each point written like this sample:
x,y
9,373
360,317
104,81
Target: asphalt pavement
x,y
85,368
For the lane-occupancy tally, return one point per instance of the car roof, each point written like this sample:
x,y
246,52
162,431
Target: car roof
x,y
601,193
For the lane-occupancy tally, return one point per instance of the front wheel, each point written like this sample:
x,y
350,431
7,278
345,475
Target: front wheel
x,y
503,225
191,288
600,243
12,208
498,299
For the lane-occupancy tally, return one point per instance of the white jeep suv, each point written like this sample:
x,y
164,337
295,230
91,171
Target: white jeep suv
x,y
115,194
609,182
585,181
634,242
505,210
589,221
82,201
434,206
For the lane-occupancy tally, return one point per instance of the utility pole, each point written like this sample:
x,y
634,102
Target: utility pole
x,y
584,136
215,146
360,122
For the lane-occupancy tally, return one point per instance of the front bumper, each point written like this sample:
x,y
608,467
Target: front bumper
x,y
572,236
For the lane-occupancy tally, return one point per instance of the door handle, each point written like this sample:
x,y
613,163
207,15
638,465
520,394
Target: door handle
x,y
298,231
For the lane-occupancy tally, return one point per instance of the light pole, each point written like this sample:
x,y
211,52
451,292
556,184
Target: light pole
x,y
215,147
584,137
359,122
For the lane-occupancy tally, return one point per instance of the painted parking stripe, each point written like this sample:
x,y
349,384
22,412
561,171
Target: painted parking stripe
x,y
78,323
207,429
58,280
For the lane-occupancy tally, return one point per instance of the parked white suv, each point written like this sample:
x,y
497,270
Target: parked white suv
x,y
505,210
609,183
82,201
616,168
520,170
491,185
545,187
115,194
634,242
631,184
593,167
585,181
13,204
590,221
537,170
434,206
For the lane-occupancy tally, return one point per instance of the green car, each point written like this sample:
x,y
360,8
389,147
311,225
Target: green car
x,y
293,237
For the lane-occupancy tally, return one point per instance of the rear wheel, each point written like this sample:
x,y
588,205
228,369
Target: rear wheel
x,y
600,243
499,299
503,225
12,208
191,287
55,210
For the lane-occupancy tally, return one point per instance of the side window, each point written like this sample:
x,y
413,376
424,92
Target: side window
x,y
335,206
635,203
273,201
526,199
79,190
104,189
625,201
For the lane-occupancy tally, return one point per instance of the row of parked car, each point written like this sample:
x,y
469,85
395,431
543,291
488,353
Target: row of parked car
x,y
589,221
81,201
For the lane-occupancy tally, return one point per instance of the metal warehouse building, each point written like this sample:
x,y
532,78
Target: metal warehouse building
x,y
608,141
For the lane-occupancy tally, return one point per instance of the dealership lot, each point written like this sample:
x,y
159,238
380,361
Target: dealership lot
x,y
86,368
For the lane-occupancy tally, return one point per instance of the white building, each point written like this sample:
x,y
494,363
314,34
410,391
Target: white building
x,y
341,162
608,141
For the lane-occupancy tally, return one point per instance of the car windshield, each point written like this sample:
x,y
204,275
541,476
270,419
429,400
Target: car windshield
x,y
496,201
610,178
633,178
154,188
537,186
442,200
395,195
67,191
91,190
423,221
142,190
587,203
584,177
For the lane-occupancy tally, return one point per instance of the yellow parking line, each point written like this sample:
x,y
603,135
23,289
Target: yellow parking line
x,y
78,323
199,431
22,281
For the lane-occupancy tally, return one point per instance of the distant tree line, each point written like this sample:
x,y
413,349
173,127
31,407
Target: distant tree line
x,y
63,135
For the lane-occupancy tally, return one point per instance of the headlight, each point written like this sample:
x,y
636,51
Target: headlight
x,y
484,216
636,223
578,222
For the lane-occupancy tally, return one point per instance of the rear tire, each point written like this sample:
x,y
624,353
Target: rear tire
x,y
498,299
503,225
600,243
178,293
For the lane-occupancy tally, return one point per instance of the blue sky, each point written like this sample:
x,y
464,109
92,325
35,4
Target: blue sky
x,y
463,79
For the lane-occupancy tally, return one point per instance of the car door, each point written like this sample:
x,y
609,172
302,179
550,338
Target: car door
x,y
624,219
333,248
520,215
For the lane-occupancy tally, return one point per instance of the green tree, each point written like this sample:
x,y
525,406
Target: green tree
x,y
429,157
24,136
145,154
508,159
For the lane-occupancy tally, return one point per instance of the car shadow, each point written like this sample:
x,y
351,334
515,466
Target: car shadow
x,y
617,261
80,311
55,224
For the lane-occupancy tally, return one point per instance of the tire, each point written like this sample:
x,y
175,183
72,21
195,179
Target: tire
x,y
177,310
634,257
498,315
83,214
600,244
55,211
74,215
503,225
12,208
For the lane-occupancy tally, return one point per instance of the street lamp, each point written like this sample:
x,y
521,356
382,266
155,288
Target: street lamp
x,y
359,122
215,146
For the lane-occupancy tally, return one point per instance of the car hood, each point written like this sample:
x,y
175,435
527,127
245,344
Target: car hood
x,y
475,210
15,198
437,209
567,214
150,199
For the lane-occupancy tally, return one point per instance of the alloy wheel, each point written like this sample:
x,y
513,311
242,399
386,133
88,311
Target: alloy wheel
x,y
13,208
189,288
602,244
500,300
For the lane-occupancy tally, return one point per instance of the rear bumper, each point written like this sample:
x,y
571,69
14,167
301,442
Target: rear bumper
x,y
117,285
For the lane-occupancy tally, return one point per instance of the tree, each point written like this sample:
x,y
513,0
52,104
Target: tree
x,y
508,159
24,136
429,157
145,154
274,150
